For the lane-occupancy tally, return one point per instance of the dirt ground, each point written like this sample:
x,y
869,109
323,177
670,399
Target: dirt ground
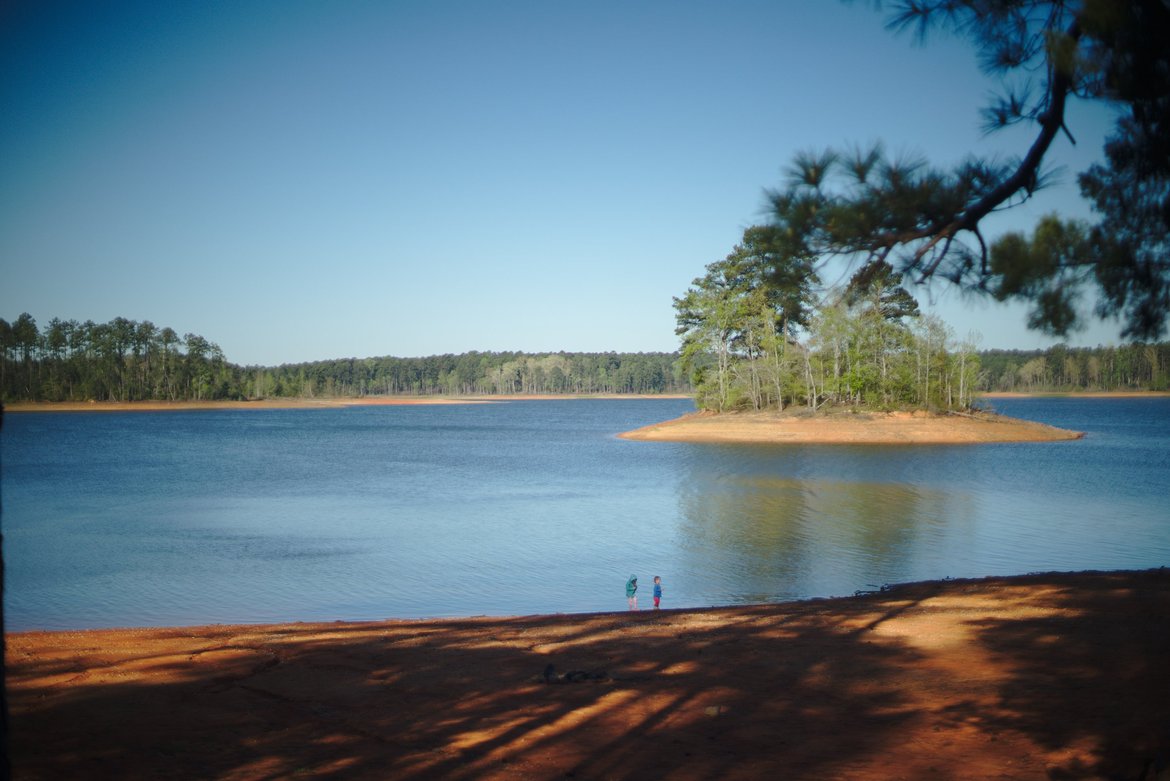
x,y
1056,676
847,428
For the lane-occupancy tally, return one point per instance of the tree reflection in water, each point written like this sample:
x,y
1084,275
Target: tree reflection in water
x,y
753,537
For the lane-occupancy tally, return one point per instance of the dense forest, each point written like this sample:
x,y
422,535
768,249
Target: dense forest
x,y
1130,367
758,332
124,360
473,373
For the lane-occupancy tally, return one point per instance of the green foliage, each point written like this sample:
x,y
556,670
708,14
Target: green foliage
x,y
121,360
476,373
1063,369
880,287
1132,241
128,361
865,345
737,321
926,220
1046,270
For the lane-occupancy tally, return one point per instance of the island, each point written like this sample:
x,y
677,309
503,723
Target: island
x,y
849,427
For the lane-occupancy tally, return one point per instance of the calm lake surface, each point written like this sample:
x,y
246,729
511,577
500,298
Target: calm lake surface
x,y
173,518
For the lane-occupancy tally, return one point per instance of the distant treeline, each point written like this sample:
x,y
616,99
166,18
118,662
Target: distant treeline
x,y
125,360
1131,367
473,373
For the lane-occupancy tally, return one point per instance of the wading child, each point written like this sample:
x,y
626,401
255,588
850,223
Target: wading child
x,y
657,591
632,592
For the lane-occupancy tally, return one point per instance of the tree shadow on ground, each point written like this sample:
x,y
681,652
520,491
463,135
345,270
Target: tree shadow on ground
x,y
461,699
796,691
1093,670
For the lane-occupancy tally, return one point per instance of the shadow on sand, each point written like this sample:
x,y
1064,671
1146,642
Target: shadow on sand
x,y
1047,676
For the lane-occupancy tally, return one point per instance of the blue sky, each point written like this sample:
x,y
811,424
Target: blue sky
x,y
304,180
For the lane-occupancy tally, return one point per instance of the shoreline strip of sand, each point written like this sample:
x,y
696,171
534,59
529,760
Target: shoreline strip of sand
x,y
791,427
1058,675
373,401
299,403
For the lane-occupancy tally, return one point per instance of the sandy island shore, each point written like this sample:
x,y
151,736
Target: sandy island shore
x,y
863,428
1055,676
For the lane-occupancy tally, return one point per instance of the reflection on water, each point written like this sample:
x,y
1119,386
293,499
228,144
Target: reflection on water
x,y
766,538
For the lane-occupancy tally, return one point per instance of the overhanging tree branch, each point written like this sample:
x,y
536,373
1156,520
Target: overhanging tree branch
x,y
1023,178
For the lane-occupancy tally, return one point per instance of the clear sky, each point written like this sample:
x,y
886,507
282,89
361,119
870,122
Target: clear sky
x,y
299,180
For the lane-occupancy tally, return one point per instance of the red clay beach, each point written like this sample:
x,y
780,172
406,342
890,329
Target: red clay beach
x,y
1059,676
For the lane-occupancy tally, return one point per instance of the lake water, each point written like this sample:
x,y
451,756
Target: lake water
x,y
173,518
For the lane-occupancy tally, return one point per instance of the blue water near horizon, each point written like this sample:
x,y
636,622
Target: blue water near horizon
x,y
225,516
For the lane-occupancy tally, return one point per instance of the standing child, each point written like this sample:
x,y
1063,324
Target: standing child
x,y
657,591
632,592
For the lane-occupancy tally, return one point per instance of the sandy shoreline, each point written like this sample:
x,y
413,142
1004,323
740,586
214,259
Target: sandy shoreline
x,y
893,428
791,427
294,403
1033,677
332,402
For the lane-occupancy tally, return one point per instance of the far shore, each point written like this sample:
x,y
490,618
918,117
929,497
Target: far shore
x,y
1033,677
1074,394
331,402
793,426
